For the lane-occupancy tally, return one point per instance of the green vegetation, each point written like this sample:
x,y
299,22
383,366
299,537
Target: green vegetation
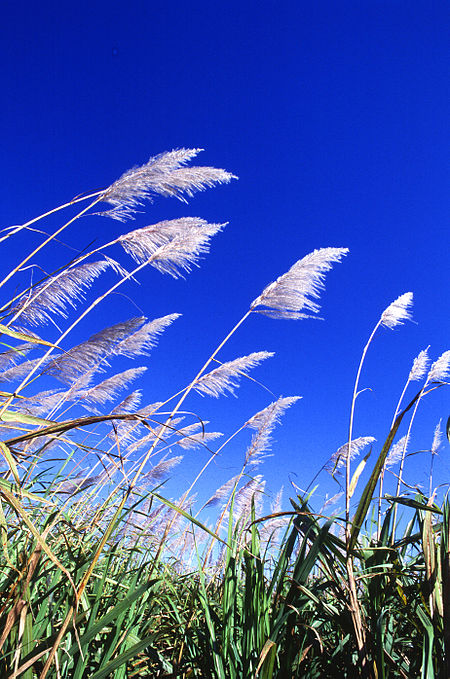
x,y
103,576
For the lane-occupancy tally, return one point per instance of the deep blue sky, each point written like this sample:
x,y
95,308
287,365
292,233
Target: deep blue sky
x,y
335,117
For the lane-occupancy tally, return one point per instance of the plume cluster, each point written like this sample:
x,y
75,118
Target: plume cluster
x,y
58,293
225,378
295,292
250,492
397,452
339,458
159,471
419,367
398,311
108,389
172,247
437,439
19,371
222,493
165,174
76,362
440,370
129,338
145,338
264,423
13,356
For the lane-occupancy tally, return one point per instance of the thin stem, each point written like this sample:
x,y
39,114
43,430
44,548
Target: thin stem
x,y
402,461
350,433
186,392
97,301
383,471
50,212
47,240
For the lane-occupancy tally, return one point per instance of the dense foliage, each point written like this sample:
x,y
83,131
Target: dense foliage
x,y
104,576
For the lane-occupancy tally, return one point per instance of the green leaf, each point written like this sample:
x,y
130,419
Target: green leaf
x,y
5,451
367,495
25,338
267,660
123,658
119,608
359,470
187,516
409,502
14,416
11,488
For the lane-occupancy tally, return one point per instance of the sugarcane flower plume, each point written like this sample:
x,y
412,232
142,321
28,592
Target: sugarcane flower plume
x,y
295,292
91,356
221,495
13,356
225,378
339,458
58,293
397,452
165,174
264,423
420,366
108,389
437,439
170,246
398,311
440,370
250,492
145,339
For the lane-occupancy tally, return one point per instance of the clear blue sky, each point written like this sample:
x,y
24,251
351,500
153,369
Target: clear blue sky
x,y
334,115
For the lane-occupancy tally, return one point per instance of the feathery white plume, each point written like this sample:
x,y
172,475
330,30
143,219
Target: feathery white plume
x,y
189,429
171,247
276,504
12,356
126,430
270,529
141,244
419,366
194,435
44,402
108,389
149,437
159,470
129,404
19,371
201,438
397,451
437,439
264,422
59,292
143,441
440,370
329,501
165,174
222,493
398,311
225,378
144,339
90,355
173,516
150,409
297,289
339,458
79,482
243,497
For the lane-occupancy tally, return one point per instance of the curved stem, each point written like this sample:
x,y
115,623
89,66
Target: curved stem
x,y
46,241
74,201
350,432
